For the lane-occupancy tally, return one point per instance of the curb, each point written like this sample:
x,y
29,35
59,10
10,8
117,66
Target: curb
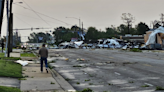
x,y
62,82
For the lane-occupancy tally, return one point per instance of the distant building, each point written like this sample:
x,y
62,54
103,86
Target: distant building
x,y
132,38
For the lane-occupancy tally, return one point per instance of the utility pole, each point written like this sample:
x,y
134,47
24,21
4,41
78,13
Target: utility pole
x,y
10,30
2,2
162,18
82,28
7,11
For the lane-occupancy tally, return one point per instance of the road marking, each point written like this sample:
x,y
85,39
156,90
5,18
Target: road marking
x,y
117,73
149,84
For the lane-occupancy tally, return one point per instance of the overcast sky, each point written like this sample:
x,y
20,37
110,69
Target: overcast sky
x,y
96,13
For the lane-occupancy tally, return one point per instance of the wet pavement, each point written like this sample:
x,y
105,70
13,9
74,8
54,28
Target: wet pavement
x,y
110,70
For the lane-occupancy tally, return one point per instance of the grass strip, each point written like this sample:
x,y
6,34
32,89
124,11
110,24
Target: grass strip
x,y
10,58
2,54
9,89
27,55
10,69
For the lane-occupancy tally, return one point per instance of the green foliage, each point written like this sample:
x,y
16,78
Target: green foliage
x,y
10,58
10,69
9,89
67,79
77,82
2,54
135,50
90,83
131,82
87,90
27,55
142,28
22,79
87,80
92,33
145,86
50,67
34,37
63,34
52,83
159,88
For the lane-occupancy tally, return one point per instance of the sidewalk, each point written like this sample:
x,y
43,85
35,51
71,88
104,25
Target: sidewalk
x,y
35,81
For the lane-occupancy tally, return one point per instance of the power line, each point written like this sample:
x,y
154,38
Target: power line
x,y
22,20
36,13
33,17
45,15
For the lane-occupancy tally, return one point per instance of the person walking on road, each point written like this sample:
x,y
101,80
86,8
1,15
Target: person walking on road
x,y
43,52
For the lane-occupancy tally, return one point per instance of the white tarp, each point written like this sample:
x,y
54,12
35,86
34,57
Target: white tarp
x,y
152,36
23,63
77,44
112,41
65,43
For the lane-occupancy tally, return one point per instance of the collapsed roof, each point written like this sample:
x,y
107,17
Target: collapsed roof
x,y
152,36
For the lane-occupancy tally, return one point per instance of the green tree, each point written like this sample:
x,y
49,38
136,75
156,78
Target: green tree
x,y
142,28
92,33
34,37
123,29
111,32
65,34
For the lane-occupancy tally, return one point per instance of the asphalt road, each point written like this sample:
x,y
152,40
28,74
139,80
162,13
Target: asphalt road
x,y
104,70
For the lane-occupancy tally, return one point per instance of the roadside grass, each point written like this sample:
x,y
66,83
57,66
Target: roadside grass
x,y
2,54
10,58
9,89
2,57
27,55
10,69
135,50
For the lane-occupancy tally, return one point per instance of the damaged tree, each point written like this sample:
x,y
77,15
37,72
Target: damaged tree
x,y
128,19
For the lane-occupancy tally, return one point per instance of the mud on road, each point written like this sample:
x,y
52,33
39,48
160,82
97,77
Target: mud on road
x,y
105,70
